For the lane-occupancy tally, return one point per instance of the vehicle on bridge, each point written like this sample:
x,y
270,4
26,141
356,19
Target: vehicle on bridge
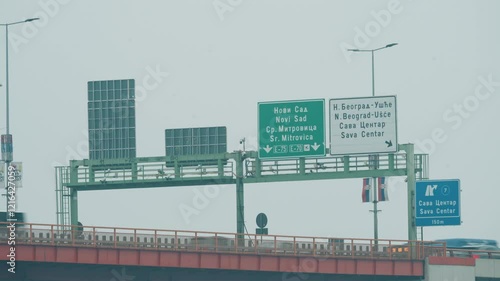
x,y
470,247
455,247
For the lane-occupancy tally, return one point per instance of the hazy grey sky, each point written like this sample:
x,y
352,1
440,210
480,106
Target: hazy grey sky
x,y
210,62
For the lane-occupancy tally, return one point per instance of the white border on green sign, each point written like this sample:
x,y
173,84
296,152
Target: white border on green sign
x,y
291,157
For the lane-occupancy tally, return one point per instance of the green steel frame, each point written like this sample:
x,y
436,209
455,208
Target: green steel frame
x,y
238,168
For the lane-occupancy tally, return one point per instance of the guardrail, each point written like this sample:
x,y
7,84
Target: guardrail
x,y
477,254
151,171
218,242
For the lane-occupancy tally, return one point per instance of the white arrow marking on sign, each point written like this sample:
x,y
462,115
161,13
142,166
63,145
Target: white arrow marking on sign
x,y
267,148
315,146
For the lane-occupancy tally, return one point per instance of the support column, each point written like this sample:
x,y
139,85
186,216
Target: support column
x,y
177,168
391,162
346,163
220,168
91,175
258,167
375,212
302,165
240,199
134,170
73,194
73,203
411,181
374,164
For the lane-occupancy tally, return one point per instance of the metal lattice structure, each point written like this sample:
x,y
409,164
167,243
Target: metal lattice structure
x,y
233,168
62,196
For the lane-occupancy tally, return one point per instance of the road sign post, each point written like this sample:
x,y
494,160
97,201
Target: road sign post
x,y
437,202
365,125
291,129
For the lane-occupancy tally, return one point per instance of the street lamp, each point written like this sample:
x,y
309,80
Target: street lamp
x,y
7,62
7,148
373,61
374,158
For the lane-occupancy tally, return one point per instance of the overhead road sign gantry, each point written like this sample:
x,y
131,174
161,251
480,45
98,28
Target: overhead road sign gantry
x,y
437,202
291,129
366,125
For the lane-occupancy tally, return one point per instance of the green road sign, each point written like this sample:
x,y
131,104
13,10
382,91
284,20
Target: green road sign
x,y
291,129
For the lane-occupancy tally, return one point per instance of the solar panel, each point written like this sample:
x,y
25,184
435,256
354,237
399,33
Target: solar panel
x,y
111,119
196,141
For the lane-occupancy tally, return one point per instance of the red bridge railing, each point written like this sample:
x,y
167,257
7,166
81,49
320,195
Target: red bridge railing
x,y
219,242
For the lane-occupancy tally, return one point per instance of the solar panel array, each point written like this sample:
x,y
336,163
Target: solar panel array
x,y
111,117
196,141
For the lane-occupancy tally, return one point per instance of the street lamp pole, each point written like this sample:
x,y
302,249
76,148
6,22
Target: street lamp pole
x,y
7,146
374,158
373,73
7,77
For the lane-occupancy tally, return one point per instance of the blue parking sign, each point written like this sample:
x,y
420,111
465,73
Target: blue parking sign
x,y
437,202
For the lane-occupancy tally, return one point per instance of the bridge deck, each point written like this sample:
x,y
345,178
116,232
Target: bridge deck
x,y
214,250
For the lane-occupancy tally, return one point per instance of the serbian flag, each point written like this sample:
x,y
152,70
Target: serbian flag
x,y
367,195
382,190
